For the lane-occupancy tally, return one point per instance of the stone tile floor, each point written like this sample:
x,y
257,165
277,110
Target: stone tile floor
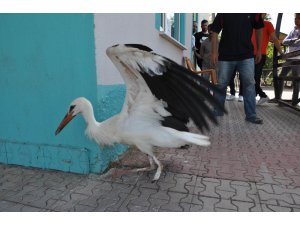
x,y
247,168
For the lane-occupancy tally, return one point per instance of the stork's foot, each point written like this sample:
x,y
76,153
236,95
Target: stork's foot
x,y
158,173
185,147
119,172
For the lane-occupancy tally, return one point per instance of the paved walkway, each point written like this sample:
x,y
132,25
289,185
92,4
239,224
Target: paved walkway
x,y
247,168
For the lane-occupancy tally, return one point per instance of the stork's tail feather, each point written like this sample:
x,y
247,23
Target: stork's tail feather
x,y
196,139
183,138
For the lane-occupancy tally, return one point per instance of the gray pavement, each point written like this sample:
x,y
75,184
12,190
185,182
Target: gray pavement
x,y
34,190
248,168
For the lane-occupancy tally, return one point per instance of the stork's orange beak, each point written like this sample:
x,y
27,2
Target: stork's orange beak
x,y
68,117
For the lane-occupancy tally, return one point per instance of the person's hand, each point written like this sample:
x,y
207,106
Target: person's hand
x,y
257,57
214,59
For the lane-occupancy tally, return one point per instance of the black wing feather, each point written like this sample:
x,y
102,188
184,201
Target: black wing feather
x,y
185,93
190,104
159,86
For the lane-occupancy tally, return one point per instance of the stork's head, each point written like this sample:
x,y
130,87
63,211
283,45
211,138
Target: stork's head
x,y
79,105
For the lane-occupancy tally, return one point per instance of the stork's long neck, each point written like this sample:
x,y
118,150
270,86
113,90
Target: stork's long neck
x,y
99,132
95,130
88,115
92,126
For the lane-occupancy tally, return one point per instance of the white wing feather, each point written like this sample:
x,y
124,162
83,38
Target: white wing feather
x,y
128,61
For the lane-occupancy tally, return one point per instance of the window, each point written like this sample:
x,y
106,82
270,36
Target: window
x,y
170,24
171,27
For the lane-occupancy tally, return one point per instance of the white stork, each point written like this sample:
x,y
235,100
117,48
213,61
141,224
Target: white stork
x,y
161,98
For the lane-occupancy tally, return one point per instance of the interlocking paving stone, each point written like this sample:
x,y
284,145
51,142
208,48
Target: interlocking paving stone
x,y
181,182
247,192
275,208
175,201
225,205
68,202
203,204
138,200
42,198
156,204
247,206
83,208
111,202
161,194
207,187
6,206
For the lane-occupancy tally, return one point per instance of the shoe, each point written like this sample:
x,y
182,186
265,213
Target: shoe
x,y
255,120
262,100
241,99
273,100
230,97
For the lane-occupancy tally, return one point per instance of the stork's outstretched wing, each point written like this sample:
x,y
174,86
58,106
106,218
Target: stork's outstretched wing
x,y
185,93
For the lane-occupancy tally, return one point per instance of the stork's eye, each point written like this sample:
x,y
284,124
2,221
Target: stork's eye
x,y
71,108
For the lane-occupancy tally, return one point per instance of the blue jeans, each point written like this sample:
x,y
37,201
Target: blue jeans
x,y
246,70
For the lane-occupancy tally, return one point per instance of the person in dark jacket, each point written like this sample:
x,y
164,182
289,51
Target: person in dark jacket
x,y
199,38
236,53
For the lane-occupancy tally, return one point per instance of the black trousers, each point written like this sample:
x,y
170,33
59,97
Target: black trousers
x,y
257,76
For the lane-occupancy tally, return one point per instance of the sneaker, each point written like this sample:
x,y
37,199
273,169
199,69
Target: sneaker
x,y
262,100
230,97
241,99
255,120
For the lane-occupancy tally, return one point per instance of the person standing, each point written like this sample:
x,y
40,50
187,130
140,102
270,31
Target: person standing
x,y
205,54
268,33
293,43
199,38
236,52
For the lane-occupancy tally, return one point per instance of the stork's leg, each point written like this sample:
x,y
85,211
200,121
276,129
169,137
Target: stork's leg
x,y
159,168
150,168
148,150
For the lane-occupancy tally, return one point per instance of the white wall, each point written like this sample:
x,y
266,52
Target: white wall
x,y
122,28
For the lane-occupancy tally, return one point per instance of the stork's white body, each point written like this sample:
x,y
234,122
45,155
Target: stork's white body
x,y
141,128
144,132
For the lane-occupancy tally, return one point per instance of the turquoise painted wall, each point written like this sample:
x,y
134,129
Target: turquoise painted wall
x,y
46,61
182,28
157,21
110,102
